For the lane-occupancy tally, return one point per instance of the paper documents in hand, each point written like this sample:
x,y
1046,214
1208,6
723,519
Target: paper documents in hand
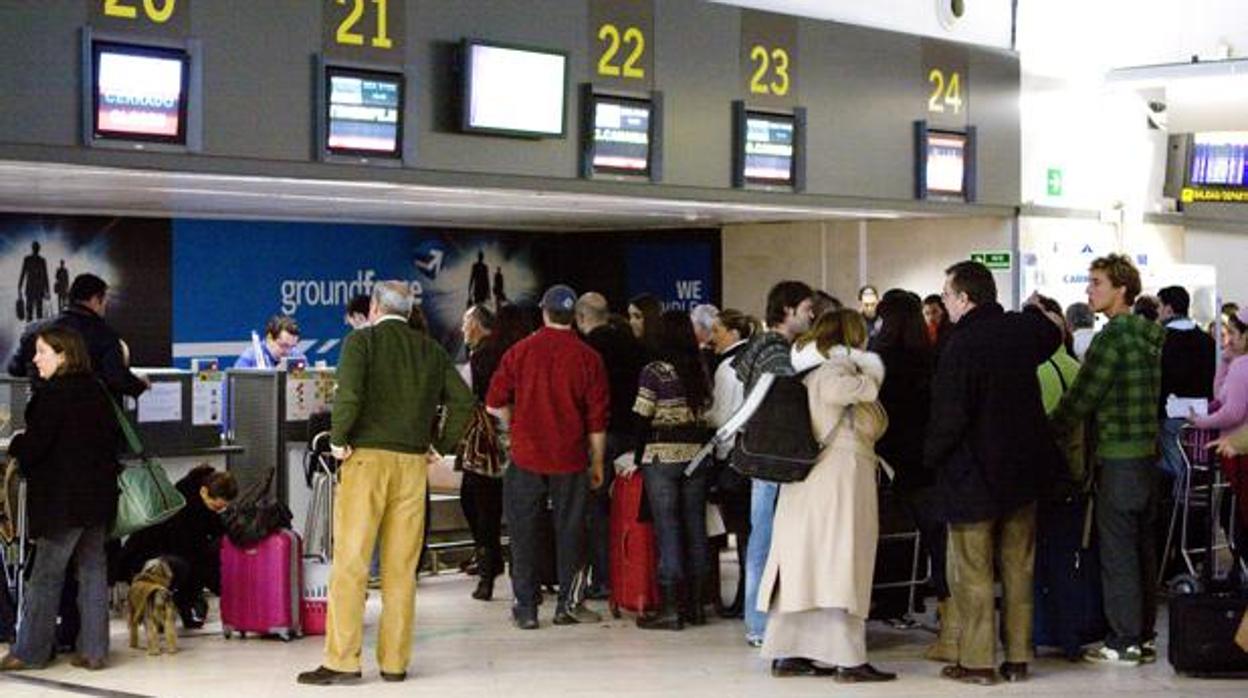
x,y
1182,407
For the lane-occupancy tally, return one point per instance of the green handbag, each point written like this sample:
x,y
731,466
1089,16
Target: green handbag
x,y
147,496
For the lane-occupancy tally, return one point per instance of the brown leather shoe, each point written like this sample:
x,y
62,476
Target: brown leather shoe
x,y
12,663
89,664
978,677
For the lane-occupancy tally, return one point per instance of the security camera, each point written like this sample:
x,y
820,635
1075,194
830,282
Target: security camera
x,y
1156,106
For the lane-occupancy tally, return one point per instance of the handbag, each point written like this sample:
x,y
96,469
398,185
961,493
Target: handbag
x,y
479,450
147,497
255,515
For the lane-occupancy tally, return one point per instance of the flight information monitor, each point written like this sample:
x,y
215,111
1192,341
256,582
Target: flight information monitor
x,y
946,163
365,112
1220,159
139,92
514,91
769,148
621,135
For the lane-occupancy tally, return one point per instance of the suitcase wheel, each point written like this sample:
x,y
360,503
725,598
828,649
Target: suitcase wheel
x,y
227,632
1185,584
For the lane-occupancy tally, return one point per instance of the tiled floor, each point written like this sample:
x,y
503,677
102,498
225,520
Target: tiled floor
x,y
467,648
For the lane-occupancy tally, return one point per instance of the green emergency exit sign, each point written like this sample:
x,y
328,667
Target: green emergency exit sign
x,y
1055,181
996,261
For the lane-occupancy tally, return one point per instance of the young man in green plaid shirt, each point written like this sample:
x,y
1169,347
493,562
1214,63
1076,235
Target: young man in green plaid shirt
x,y
1119,385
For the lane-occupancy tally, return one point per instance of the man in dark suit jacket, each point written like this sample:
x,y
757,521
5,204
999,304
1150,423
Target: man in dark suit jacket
x,y
990,443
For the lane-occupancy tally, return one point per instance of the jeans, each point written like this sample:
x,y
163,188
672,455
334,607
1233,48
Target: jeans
x,y
762,511
599,510
524,499
678,505
1171,461
38,630
1126,519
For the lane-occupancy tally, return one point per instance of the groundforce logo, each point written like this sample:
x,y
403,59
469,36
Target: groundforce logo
x,y
297,293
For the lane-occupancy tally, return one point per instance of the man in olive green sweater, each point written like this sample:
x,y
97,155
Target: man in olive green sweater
x,y
391,380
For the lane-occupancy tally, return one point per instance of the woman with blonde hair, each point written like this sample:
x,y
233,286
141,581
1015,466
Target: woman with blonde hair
x,y
817,583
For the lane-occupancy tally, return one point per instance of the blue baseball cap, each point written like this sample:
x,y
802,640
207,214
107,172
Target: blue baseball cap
x,y
558,297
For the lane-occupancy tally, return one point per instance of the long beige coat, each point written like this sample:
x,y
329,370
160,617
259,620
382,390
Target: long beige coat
x,y
826,527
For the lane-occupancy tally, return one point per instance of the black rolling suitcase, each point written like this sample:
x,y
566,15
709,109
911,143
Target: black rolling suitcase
x,y
1069,611
1204,624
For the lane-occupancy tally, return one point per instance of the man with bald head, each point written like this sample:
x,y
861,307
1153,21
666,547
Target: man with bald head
x,y
624,359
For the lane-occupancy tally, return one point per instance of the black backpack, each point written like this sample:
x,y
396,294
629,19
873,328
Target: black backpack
x,y
777,444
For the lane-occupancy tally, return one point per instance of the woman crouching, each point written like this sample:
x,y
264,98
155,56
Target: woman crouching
x,y
817,583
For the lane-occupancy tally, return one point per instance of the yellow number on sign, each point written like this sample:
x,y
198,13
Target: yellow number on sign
x,y
381,40
158,16
345,35
757,86
953,95
938,78
781,58
631,69
778,61
944,92
114,8
610,34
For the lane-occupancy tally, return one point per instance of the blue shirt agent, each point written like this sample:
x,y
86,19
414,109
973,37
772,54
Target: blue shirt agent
x,y
281,341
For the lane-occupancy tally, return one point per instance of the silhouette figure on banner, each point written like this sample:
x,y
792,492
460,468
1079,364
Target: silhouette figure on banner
x,y
479,282
32,286
61,287
500,296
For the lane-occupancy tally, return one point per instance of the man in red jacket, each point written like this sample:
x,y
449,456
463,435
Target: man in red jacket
x,y
552,388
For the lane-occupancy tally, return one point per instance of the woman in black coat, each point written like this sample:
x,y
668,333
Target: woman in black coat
x,y
190,542
67,455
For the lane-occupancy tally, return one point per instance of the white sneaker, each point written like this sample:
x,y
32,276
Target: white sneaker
x,y
1103,654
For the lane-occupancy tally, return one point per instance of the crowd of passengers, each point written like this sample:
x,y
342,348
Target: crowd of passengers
x,y
986,424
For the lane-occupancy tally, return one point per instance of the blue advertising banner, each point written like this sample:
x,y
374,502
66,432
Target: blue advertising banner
x,y
229,277
680,274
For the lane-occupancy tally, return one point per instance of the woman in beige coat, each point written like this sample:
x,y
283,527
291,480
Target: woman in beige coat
x,y
817,583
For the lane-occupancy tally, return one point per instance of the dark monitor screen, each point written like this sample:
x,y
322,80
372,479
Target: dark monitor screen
x,y
514,91
621,135
365,112
769,148
1220,159
946,162
139,92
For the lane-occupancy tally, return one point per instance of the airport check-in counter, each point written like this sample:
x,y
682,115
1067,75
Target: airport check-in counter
x,y
178,419
269,411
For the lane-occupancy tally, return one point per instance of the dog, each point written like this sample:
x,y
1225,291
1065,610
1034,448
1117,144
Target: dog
x,y
151,603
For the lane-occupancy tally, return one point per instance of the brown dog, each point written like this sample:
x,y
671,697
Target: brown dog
x,y
151,603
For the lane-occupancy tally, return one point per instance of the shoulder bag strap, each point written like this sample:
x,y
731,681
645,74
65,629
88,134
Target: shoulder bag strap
x,y
131,434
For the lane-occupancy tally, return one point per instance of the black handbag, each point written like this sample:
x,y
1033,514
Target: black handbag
x,y
256,515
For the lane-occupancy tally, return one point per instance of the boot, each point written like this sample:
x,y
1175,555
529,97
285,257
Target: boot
x,y
695,602
945,648
668,617
487,570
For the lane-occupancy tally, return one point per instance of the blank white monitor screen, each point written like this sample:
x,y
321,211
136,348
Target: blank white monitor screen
x,y
946,160
515,90
139,94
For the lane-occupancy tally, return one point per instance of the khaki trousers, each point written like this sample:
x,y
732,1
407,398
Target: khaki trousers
x,y
971,550
379,493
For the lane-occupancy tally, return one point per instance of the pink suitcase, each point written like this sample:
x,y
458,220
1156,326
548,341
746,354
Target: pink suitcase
x,y
261,587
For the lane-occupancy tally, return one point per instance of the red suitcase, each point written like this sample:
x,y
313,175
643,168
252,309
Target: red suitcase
x,y
634,556
261,586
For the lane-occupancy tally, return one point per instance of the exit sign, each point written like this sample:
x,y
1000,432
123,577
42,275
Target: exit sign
x,y
996,261
1055,181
